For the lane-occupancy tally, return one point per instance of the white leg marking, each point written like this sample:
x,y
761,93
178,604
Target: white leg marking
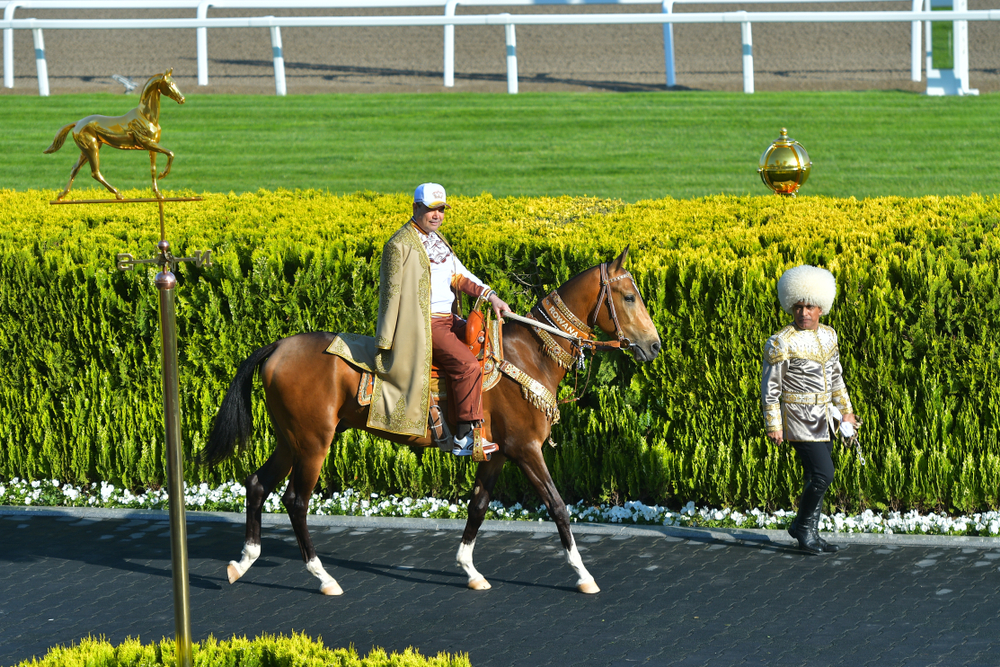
x,y
585,583
327,584
251,552
477,582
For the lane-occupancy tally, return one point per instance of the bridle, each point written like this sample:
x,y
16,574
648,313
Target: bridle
x,y
554,311
623,342
552,316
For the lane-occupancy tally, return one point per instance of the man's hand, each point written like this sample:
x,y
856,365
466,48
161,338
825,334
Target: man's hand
x,y
499,306
851,419
777,437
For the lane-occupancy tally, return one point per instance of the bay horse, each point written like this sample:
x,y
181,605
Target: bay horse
x,y
311,396
139,129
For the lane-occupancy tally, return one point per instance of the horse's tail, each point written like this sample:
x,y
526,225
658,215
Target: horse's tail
x,y
234,421
60,138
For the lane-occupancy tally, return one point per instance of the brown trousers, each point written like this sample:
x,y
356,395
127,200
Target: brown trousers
x,y
459,365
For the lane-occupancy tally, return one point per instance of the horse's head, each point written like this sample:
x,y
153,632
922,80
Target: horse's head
x,y
169,88
620,310
160,84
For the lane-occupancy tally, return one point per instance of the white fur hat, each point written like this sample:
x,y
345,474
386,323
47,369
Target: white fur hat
x,y
815,286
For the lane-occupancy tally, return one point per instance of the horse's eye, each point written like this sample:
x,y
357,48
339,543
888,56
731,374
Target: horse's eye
x,y
630,298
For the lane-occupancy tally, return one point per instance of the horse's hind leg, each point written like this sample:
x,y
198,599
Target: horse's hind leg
x,y
72,175
486,477
305,473
259,486
93,154
534,467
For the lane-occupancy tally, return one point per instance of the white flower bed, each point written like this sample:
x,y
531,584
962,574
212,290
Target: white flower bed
x,y
231,497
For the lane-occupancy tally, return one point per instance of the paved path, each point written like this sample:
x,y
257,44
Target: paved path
x,y
674,598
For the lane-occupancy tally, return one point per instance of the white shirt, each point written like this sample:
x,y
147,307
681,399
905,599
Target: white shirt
x,y
445,265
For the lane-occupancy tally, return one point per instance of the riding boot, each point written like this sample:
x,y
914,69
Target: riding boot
x,y
804,528
827,547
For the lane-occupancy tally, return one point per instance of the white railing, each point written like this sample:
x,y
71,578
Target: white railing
x,y
667,7
450,6
201,11
275,23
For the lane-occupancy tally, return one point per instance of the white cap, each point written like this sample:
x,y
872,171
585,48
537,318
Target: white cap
x,y
430,195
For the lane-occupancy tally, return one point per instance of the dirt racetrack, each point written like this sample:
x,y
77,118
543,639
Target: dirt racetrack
x,y
837,56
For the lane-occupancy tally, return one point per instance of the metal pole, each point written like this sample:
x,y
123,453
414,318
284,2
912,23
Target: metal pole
x,y
511,40
166,282
41,68
201,41
279,62
449,46
668,44
747,56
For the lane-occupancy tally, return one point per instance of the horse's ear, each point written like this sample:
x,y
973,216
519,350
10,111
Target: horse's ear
x,y
619,262
168,72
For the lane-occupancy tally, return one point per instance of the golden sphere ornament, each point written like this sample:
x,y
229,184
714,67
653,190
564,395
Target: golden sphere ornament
x,y
784,166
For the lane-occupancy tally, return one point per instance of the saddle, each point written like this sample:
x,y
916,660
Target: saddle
x,y
483,336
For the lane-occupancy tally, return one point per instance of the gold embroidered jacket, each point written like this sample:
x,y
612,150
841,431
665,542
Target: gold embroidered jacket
x,y
802,387
400,354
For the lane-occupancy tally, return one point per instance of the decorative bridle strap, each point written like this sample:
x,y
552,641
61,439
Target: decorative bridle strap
x,y
565,359
554,311
561,316
606,292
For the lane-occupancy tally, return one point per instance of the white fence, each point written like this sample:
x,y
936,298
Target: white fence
x,y
509,21
450,7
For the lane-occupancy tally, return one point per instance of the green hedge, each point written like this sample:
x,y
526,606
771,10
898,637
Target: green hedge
x,y
267,651
918,315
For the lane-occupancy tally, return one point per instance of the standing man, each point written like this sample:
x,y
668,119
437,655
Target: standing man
x,y
803,395
417,323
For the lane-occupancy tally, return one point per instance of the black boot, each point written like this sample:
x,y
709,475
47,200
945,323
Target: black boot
x,y
827,547
804,528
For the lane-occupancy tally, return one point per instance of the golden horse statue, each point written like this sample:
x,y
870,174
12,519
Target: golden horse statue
x,y
139,129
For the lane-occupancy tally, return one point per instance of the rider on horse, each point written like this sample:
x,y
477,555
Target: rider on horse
x,y
417,324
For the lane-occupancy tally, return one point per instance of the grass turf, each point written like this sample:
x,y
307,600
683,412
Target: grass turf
x,y
627,146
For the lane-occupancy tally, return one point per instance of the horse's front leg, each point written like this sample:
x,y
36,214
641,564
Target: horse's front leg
x,y
153,149
170,161
534,467
152,171
486,477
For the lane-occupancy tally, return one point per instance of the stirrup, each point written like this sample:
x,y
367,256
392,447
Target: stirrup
x,y
474,445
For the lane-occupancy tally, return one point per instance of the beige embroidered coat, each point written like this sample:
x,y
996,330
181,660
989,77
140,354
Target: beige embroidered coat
x,y
802,386
400,354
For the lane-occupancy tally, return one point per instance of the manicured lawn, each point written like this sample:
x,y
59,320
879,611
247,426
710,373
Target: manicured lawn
x,y
628,146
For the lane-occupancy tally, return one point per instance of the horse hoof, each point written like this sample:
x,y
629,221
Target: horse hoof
x,y
332,588
233,572
589,588
480,584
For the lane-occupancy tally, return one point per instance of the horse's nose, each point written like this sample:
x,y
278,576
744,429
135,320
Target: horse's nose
x,y
655,348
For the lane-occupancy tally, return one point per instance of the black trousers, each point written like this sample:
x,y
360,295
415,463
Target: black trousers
x,y
817,463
